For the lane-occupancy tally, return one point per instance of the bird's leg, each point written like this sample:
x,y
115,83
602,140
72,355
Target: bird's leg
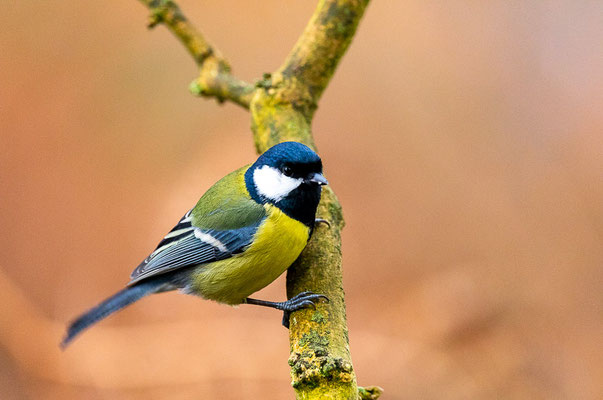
x,y
324,221
302,300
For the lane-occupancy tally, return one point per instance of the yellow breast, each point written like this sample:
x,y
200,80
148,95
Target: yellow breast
x,y
277,243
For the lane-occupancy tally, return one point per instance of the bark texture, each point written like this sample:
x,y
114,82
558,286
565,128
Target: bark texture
x,y
282,105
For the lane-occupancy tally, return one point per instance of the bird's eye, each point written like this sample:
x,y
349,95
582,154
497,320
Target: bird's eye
x,y
287,171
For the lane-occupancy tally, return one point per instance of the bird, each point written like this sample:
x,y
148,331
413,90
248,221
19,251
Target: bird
x,y
244,232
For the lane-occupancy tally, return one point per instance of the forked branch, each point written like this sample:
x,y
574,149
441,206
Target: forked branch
x,y
282,105
215,78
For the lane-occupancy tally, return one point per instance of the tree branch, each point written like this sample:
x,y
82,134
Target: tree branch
x,y
293,91
315,56
282,109
282,106
215,78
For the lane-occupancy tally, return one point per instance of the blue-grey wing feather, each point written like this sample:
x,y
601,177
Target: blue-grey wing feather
x,y
186,245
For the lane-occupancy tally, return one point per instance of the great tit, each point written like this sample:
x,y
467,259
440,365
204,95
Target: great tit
x,y
244,232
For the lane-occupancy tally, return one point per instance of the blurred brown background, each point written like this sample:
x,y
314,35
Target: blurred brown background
x,y
465,142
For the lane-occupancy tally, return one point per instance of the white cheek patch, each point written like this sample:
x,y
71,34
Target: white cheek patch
x,y
272,184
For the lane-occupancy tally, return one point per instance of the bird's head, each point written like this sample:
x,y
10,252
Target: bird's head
x,y
288,175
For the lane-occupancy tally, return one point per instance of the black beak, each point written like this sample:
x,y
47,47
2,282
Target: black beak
x,y
318,179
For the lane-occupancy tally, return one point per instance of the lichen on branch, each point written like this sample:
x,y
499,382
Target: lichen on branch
x,y
314,58
282,109
282,105
215,78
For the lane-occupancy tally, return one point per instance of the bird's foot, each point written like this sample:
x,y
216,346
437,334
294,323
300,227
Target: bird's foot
x,y
302,300
299,302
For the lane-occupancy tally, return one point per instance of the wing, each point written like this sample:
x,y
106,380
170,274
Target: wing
x,y
223,223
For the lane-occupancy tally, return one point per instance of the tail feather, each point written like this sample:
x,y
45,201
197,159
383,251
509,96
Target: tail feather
x,y
114,303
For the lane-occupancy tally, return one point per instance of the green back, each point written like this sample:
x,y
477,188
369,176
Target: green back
x,y
227,205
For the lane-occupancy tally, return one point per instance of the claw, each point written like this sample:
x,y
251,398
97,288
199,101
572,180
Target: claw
x,y
324,221
302,294
308,294
307,304
323,297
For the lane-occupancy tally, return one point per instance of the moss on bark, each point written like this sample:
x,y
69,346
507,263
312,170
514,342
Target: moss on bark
x,y
282,105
